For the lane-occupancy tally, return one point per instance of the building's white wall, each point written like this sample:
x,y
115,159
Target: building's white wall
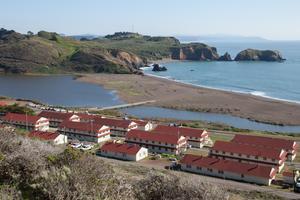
x,y
227,175
142,153
61,139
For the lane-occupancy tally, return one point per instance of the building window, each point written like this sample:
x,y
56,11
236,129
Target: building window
x,y
242,176
265,158
188,166
256,157
240,154
273,160
220,172
231,153
217,151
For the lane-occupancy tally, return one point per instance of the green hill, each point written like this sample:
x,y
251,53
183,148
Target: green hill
x,y
122,52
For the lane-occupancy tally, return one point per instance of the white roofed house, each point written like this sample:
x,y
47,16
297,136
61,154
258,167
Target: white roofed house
x,y
157,142
131,152
197,138
83,131
27,122
55,118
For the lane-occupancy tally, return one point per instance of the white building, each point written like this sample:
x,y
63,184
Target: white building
x,y
54,138
28,122
118,127
249,154
144,125
290,146
157,142
129,152
91,132
55,118
197,138
228,169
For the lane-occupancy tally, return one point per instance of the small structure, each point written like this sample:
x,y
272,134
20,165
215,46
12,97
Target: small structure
x,y
157,142
269,143
249,154
144,125
131,152
27,122
228,169
55,118
54,138
91,132
118,127
197,138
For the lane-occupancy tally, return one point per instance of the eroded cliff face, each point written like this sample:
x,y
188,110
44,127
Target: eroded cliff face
x,y
195,51
101,60
259,55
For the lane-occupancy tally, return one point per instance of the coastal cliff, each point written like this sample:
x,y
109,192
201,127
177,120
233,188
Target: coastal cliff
x,y
122,52
259,55
195,51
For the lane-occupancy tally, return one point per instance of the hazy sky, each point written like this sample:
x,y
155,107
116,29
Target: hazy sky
x,y
272,19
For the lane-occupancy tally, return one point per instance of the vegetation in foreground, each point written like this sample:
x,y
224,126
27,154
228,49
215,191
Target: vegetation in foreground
x,y
31,169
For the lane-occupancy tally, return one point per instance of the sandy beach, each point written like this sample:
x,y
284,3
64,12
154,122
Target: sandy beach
x,y
171,94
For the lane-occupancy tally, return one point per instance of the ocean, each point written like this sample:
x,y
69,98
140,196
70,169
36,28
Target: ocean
x,y
277,80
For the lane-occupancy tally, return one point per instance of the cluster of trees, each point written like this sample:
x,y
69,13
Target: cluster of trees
x,y
31,169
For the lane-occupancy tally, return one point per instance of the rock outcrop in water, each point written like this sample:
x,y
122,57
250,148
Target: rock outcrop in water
x,y
259,55
225,57
195,51
157,68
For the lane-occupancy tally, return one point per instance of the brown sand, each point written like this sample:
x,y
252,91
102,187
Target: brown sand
x,y
135,88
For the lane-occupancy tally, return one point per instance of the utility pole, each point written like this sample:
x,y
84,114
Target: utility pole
x,y
26,120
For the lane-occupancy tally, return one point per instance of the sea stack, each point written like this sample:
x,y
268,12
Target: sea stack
x,y
259,55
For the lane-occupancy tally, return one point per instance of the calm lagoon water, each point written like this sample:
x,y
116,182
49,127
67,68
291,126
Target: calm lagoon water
x,y
57,90
154,112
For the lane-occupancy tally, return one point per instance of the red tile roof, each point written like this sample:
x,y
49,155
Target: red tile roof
x,y
3,103
81,126
229,166
56,115
140,122
150,136
187,132
21,118
265,142
87,117
131,149
232,147
114,122
43,135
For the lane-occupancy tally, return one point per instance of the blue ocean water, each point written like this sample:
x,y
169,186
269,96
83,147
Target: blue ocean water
x,y
267,79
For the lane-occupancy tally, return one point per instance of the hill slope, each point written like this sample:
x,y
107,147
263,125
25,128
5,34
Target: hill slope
x,y
122,52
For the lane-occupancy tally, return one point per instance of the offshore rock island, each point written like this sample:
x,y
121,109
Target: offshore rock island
x,y
120,53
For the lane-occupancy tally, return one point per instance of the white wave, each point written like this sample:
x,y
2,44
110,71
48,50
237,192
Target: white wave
x,y
254,93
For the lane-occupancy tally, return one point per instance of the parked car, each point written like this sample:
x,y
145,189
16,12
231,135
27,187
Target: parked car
x,y
173,159
76,145
86,147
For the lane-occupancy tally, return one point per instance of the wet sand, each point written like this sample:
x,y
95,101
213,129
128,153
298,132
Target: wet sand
x,y
171,94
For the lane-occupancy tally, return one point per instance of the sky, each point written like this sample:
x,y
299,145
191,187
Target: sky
x,y
271,19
